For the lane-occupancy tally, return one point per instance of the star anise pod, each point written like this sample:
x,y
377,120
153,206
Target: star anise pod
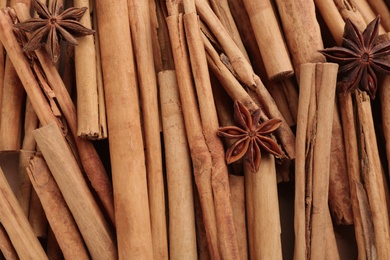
x,y
360,57
52,25
251,135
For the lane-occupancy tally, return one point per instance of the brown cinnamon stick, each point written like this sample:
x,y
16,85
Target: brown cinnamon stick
x,y
11,109
15,223
223,12
57,212
262,208
182,234
219,174
66,172
237,189
269,39
200,155
372,173
90,160
318,82
89,124
6,246
302,32
364,231
126,145
143,50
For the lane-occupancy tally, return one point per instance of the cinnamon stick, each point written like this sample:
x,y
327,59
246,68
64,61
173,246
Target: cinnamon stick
x,y
237,189
270,39
57,212
143,50
223,12
182,233
315,111
126,146
6,246
262,209
11,109
16,224
380,8
339,184
89,124
200,155
69,178
3,4
302,32
90,160
372,173
219,174
361,216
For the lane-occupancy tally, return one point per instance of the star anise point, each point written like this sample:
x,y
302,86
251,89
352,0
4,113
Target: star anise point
x,y
51,26
360,57
251,136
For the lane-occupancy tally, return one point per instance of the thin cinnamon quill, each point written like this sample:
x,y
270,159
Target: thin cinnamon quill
x,y
143,51
90,160
302,31
219,175
69,178
91,123
200,155
262,209
16,224
269,39
315,112
132,213
60,218
11,109
6,246
182,233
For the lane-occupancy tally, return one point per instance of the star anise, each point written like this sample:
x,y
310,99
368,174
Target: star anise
x,y
54,24
360,57
251,136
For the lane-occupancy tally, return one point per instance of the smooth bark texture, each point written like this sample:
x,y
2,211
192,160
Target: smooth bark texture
x,y
126,146
57,212
182,233
65,169
143,52
16,224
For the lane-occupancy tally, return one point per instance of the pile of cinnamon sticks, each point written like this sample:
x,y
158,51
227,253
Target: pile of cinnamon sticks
x,y
117,145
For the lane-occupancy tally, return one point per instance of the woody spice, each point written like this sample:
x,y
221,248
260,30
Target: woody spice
x,y
132,215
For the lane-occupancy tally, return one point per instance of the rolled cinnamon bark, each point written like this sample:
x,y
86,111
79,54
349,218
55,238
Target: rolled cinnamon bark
x,y
69,178
262,209
126,142
89,125
364,231
269,38
6,247
223,12
182,233
372,173
57,212
380,8
11,109
16,224
90,160
227,239
318,82
200,155
143,51
302,32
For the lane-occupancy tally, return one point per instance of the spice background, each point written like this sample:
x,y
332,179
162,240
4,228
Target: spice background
x,y
194,129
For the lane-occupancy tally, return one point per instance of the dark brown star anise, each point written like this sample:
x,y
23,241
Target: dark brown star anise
x,y
360,57
251,136
50,25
